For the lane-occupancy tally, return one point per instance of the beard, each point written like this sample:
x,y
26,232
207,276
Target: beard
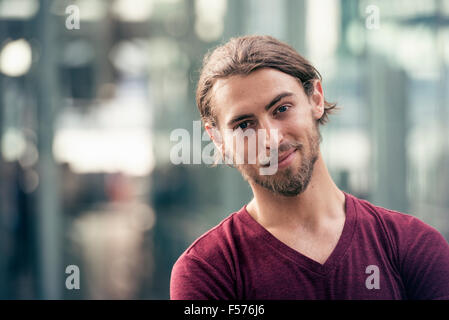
x,y
292,180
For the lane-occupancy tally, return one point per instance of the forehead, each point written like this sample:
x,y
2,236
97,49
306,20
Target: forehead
x,y
241,94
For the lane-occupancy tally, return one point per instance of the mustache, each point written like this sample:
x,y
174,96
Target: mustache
x,y
283,147
287,146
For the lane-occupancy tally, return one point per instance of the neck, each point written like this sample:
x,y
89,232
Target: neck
x,y
321,202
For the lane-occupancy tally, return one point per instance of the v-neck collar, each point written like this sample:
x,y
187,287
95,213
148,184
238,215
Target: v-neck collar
x,y
334,258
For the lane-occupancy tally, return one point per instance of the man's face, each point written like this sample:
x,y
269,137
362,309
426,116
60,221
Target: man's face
x,y
271,101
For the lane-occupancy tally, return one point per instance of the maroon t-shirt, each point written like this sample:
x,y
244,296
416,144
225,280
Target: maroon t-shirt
x,y
381,254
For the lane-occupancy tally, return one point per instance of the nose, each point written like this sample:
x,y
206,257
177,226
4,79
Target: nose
x,y
273,134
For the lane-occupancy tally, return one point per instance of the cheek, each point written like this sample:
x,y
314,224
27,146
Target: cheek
x,y
301,124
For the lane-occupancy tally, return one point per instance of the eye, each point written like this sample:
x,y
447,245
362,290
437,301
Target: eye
x,y
282,109
242,125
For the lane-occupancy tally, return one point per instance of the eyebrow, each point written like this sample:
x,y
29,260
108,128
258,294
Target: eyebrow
x,y
275,100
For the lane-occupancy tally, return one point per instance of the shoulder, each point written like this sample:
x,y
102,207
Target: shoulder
x,y
216,240
216,247
409,237
421,251
396,223
206,269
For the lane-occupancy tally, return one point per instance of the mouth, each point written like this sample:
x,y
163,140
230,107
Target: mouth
x,y
286,155
284,159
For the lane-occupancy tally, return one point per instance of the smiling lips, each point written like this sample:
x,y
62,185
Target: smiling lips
x,y
285,159
285,155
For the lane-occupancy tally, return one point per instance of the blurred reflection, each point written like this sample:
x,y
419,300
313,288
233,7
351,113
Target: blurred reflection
x,y
111,241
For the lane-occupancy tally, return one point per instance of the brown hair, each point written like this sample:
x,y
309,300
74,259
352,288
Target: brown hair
x,y
243,55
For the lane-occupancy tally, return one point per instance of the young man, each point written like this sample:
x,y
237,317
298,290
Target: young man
x,y
300,237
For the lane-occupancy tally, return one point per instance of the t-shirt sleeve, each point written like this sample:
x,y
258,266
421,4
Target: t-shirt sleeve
x,y
425,265
193,278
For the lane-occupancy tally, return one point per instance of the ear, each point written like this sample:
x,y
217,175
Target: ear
x,y
317,99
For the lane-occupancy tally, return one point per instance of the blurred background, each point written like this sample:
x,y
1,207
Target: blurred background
x,y
87,108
